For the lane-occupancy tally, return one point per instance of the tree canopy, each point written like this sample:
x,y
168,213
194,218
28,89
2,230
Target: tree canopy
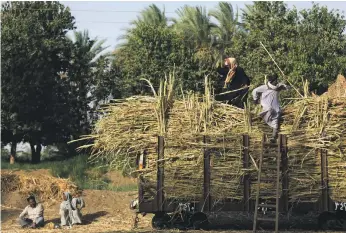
x,y
51,84
46,77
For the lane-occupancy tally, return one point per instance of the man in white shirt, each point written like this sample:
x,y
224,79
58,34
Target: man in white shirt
x,y
34,211
269,98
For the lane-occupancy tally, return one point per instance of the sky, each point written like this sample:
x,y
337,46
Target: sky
x,y
107,20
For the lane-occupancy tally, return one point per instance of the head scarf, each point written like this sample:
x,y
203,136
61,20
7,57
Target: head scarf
x,y
67,203
232,63
271,86
275,87
67,195
68,206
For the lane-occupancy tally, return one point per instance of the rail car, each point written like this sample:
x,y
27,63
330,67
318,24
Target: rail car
x,y
193,214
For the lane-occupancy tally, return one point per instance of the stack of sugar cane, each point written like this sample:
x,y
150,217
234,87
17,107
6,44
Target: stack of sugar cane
x,y
132,126
44,187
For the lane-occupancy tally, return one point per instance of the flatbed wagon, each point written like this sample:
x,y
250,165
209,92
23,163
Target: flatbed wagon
x,y
193,214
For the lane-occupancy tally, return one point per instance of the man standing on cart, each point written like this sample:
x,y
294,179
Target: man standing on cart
x,y
268,96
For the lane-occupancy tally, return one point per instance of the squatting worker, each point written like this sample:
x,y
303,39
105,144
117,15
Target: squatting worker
x,y
70,210
236,83
268,95
34,213
77,204
65,211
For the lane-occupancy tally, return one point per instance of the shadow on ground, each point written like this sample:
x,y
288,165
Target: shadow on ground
x,y
8,214
89,218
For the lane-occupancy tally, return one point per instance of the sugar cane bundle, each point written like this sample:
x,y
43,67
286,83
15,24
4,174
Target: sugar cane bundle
x,y
44,187
310,124
9,182
127,128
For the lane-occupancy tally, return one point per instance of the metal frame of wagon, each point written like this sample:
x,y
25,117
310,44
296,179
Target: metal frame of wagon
x,y
160,205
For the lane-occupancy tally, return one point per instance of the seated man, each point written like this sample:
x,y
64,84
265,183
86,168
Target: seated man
x,y
35,214
236,83
268,96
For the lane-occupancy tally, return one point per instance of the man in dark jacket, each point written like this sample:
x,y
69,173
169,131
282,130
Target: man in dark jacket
x,y
236,83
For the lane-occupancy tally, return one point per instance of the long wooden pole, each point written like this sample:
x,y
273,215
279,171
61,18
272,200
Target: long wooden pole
x,y
281,70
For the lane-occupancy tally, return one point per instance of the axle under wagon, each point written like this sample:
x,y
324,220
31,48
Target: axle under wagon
x,y
194,213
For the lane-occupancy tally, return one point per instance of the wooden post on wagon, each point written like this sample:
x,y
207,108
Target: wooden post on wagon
x,y
160,174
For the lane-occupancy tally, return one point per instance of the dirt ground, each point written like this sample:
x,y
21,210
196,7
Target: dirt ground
x,y
105,211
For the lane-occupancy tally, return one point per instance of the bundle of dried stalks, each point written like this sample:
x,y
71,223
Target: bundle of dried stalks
x,y
316,123
311,123
42,186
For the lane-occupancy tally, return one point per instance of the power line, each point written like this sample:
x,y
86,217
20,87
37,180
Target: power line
x,y
114,11
81,21
111,22
166,12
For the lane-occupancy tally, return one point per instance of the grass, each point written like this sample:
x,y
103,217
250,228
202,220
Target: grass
x,y
28,166
124,188
82,173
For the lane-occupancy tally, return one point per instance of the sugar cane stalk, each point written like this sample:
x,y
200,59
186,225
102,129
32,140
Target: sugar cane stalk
x,y
283,75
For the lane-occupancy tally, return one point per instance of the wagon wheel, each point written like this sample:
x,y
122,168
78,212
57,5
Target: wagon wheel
x,y
341,215
330,221
199,221
343,224
160,221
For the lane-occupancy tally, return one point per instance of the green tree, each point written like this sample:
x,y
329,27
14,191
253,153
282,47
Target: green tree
x,y
34,50
107,83
158,51
152,15
275,26
90,49
306,45
149,52
227,26
196,29
318,50
195,25
79,81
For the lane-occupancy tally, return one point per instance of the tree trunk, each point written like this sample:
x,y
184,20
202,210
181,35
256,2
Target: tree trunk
x,y
38,152
13,151
35,152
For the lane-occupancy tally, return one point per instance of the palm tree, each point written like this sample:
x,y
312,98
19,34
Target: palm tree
x,y
195,23
227,20
91,49
152,15
249,10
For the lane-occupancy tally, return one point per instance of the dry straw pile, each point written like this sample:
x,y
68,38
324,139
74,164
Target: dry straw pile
x,y
44,187
131,126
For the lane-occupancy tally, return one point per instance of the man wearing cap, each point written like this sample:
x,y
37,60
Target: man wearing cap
x,y
236,83
268,96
